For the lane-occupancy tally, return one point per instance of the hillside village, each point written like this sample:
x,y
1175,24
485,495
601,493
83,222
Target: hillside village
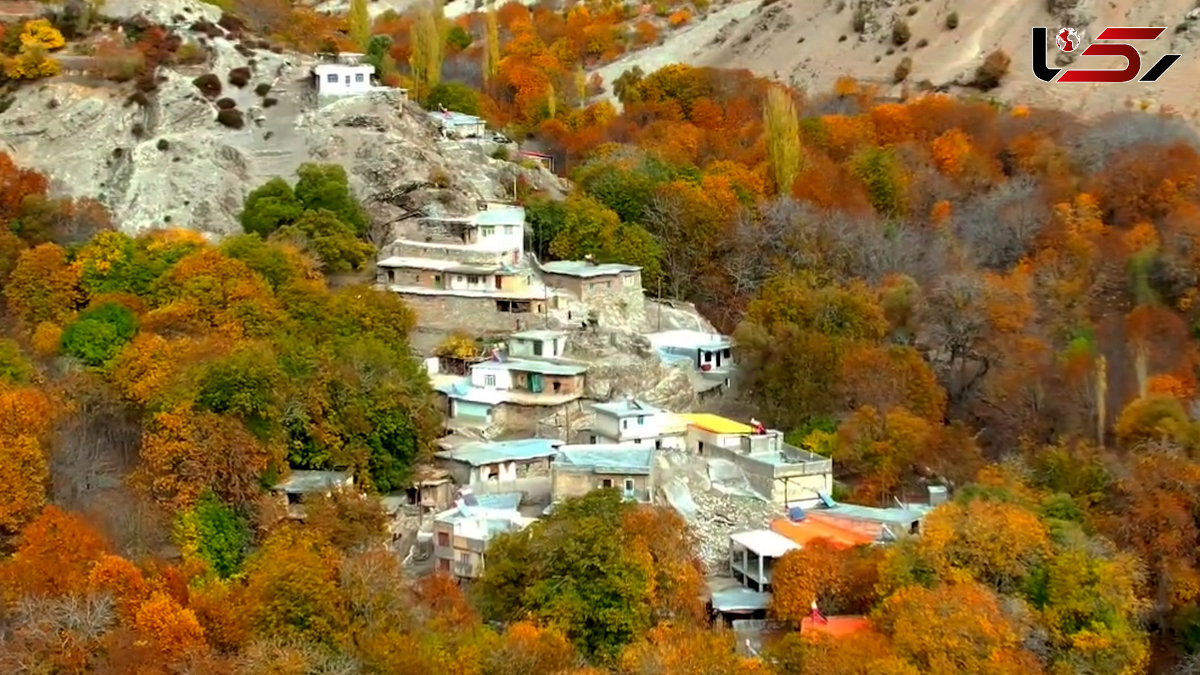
x,y
376,383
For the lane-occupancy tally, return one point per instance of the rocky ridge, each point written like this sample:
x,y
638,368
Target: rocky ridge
x,y
168,162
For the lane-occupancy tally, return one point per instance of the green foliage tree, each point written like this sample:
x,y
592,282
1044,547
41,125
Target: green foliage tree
x,y
269,207
359,23
326,186
491,50
782,130
544,219
15,369
882,174
332,241
591,229
215,533
572,569
377,49
454,96
458,38
99,333
244,384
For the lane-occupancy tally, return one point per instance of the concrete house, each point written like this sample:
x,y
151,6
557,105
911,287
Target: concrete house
x,y
752,557
586,279
343,75
530,382
779,472
458,125
495,466
633,422
538,343
578,469
710,353
461,534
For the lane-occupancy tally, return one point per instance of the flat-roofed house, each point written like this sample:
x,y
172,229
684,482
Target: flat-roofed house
x,y
776,470
578,469
753,554
462,534
490,466
301,484
343,75
634,422
537,344
586,279
711,354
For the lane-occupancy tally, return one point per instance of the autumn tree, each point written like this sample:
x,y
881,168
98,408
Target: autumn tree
x,y
43,286
591,229
428,49
292,585
783,137
359,23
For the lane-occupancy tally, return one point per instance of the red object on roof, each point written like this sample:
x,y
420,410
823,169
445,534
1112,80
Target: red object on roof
x,y
808,530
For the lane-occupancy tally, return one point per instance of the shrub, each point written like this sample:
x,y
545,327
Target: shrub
x,y
209,85
922,43
190,53
952,21
231,23
163,144
679,18
262,89
226,104
901,33
138,130
268,102
139,98
859,21
146,84
992,70
239,77
903,69
912,11
232,118
208,28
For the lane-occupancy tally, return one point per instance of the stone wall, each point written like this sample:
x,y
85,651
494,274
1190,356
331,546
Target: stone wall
x,y
464,256
575,482
475,315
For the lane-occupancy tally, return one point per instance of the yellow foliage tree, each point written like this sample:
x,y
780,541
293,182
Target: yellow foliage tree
x,y
995,543
950,151
41,33
31,63
783,138
171,628
24,462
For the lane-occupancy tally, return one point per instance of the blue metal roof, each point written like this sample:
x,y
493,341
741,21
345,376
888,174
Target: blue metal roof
x,y
585,269
496,452
602,458
509,215
626,408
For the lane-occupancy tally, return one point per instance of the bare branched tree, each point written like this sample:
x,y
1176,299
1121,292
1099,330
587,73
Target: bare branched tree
x,y
999,227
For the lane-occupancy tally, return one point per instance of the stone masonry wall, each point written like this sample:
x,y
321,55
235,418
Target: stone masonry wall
x,y
474,315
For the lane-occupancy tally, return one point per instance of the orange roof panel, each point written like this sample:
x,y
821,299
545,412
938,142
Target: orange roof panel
x,y
808,530
836,626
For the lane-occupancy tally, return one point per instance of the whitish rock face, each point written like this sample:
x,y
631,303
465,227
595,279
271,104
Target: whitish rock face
x,y
170,163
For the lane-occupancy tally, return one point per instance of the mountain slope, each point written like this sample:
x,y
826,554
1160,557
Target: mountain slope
x,y
802,43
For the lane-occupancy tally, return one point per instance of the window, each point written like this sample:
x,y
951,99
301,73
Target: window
x,y
443,538
607,482
489,380
641,419
508,230
628,487
487,231
358,77
624,424
593,440
458,277
473,279
444,563
537,348
332,78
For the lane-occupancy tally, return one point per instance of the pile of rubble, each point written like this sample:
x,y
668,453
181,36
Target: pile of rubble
x,y
716,501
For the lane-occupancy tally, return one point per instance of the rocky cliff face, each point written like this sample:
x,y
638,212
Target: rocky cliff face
x,y
167,161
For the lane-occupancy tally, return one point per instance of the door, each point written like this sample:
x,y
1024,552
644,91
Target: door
x,y
535,383
437,281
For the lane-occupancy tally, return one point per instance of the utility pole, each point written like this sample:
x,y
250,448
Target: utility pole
x,y
660,303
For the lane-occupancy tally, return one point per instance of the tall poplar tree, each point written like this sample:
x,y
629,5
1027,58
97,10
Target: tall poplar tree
x,y
783,138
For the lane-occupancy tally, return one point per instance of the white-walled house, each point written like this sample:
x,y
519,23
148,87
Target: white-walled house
x,y
343,79
630,422
709,353
458,125
537,343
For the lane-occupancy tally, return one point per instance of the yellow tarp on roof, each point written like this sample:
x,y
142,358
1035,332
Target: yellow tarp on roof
x,y
716,424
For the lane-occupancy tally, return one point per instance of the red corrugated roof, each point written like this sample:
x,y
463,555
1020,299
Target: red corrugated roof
x,y
808,530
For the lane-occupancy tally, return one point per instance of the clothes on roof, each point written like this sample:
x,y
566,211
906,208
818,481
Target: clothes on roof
x,y
585,270
804,532
765,543
603,458
716,424
497,452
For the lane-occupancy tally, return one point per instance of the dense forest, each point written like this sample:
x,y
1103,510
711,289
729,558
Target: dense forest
x,y
999,297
